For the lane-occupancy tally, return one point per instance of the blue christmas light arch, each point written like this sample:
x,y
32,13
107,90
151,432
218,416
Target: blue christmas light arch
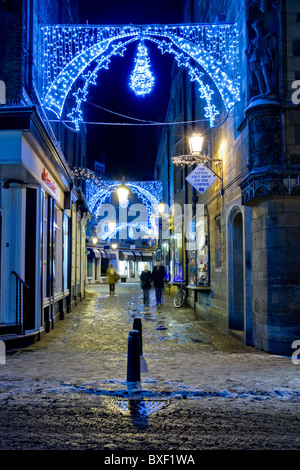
x,y
98,192
72,52
148,192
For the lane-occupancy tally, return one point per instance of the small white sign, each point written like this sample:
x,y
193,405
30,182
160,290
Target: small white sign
x,y
201,178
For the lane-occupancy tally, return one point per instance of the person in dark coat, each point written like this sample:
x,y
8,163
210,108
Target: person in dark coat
x,y
158,275
146,283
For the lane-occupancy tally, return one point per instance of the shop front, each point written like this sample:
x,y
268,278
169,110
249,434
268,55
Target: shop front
x,y
127,266
38,207
197,252
132,263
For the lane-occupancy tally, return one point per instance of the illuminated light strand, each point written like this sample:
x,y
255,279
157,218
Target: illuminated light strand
x,y
112,233
91,79
68,50
141,79
97,191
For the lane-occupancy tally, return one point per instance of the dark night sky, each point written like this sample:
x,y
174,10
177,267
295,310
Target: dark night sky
x,y
130,150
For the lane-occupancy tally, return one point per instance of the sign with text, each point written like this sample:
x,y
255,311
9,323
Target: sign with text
x,y
201,178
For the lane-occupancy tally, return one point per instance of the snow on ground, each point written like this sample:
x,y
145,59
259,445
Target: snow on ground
x,y
183,355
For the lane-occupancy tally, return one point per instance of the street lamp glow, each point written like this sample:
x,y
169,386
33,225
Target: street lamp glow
x,y
112,225
94,240
161,208
122,192
114,246
196,142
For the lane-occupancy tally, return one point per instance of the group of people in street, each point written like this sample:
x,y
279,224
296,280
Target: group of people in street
x,y
156,278
148,278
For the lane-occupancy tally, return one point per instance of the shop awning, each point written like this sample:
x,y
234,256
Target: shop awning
x,y
147,255
138,256
93,252
126,256
111,255
103,254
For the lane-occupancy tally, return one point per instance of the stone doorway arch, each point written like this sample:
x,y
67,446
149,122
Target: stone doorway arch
x,y
236,284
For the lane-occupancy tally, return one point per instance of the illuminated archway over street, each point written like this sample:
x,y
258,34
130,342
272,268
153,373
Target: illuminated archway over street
x,y
209,52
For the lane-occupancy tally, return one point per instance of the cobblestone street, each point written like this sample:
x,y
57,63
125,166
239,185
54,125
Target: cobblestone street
x,y
200,388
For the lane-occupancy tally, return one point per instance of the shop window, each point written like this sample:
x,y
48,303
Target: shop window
x,y
166,258
66,266
177,257
218,255
198,273
104,266
45,245
57,251
89,268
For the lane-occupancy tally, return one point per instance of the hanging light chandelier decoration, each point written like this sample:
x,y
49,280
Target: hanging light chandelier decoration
x,y
141,79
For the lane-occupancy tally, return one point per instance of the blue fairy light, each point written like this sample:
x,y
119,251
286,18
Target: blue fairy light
x,y
141,79
68,52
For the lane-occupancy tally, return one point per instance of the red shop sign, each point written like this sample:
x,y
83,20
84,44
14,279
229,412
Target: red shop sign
x,y
46,179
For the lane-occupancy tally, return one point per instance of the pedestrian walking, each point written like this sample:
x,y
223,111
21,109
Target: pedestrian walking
x,y
111,275
158,275
146,284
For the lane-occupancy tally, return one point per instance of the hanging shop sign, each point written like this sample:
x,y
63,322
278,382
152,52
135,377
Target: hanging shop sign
x,y
47,181
201,178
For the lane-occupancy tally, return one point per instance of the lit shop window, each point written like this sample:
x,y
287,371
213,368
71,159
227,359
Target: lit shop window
x,y
57,251
166,258
66,267
45,243
177,256
198,272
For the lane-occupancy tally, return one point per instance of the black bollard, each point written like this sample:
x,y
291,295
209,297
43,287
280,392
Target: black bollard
x,y
133,358
137,325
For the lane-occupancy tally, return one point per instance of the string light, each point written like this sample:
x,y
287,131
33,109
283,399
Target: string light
x,y
209,52
97,191
141,79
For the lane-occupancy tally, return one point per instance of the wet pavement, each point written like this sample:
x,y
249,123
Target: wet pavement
x,y
200,388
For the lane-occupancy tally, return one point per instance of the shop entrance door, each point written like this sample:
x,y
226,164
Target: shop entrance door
x,y
29,306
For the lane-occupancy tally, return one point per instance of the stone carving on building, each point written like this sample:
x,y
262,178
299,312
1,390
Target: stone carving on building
x,y
262,57
264,138
257,186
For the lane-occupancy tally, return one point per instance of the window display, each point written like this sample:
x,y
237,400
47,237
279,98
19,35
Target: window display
x,y
198,252
177,256
166,258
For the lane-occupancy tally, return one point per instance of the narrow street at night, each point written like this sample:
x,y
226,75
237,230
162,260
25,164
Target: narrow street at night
x,y
200,389
149,230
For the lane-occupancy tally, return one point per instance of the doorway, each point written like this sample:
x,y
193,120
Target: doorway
x,y
236,271
29,294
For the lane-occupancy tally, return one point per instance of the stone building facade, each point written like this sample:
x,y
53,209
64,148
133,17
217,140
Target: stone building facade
x,y
252,218
43,216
